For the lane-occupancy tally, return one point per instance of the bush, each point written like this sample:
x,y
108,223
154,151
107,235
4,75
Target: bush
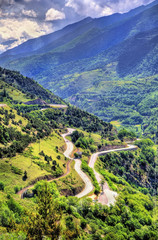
x,y
16,189
16,170
1,186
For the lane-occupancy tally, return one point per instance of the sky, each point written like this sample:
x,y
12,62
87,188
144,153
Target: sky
x,y
21,20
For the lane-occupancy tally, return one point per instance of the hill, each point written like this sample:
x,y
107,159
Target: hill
x,y
70,32
16,89
26,85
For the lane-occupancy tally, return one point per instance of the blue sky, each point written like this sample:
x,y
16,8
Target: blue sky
x,y
21,20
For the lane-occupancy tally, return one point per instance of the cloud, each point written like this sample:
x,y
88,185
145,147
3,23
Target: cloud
x,y
53,14
21,31
6,2
123,6
29,13
91,8
99,8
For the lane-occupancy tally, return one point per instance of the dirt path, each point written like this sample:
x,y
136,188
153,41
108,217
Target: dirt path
x,y
23,191
88,185
58,105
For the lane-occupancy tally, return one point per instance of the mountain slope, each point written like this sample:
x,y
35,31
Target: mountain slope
x,y
120,23
21,165
107,66
27,85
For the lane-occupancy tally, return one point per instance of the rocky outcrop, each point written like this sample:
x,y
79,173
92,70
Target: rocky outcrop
x,y
37,101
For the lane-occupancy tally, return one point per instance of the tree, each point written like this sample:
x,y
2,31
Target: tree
x,y
46,220
4,93
25,176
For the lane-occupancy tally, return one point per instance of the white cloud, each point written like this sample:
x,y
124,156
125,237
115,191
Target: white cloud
x,y
91,8
2,48
21,30
99,8
53,14
29,13
126,5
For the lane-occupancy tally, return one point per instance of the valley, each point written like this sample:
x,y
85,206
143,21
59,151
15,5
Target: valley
x,y
35,146
78,126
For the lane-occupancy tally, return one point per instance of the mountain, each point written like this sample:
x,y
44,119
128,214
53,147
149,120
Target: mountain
x,y
51,41
107,66
70,32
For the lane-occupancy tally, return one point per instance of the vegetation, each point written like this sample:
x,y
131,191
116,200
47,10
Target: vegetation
x,y
14,80
69,218
106,66
31,149
137,167
91,174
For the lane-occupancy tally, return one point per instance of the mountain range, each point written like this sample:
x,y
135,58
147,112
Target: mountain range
x,y
107,66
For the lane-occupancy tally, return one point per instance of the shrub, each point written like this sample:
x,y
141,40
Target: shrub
x,y
1,186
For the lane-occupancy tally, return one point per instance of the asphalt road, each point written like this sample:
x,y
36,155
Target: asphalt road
x,y
107,196
88,184
69,144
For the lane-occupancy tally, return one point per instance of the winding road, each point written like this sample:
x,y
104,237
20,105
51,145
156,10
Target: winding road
x,y
107,196
88,184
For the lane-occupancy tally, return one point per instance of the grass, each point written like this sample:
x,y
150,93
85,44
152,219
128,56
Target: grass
x,y
11,180
116,123
2,196
25,162
17,119
13,92
155,212
70,182
48,146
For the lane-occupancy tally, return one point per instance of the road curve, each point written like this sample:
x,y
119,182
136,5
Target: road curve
x,y
88,184
107,196
69,144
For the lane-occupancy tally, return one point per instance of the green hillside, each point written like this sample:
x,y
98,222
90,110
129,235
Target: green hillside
x,y
28,88
31,149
